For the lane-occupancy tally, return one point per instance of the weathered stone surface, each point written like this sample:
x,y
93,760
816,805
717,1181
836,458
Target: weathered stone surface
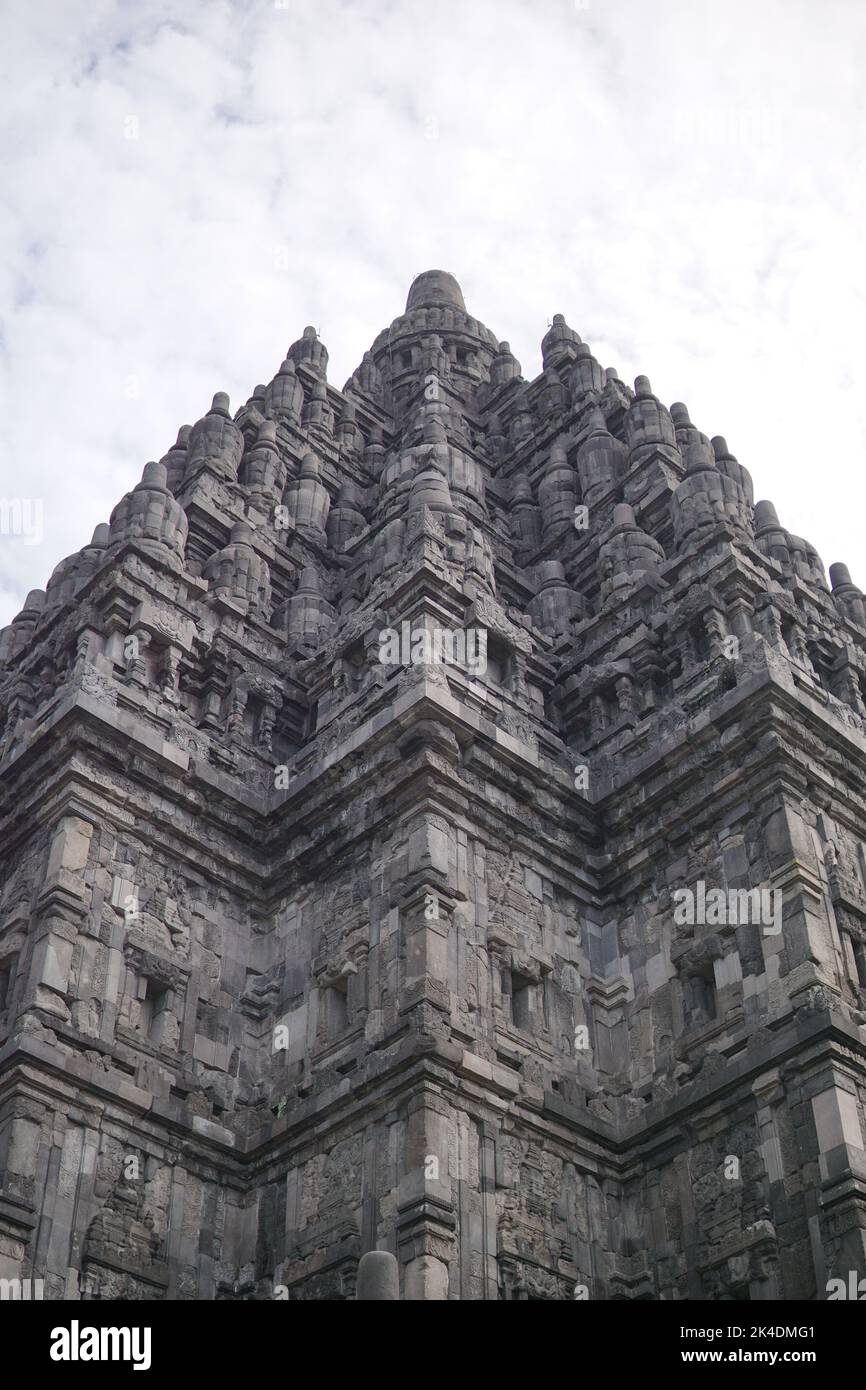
x,y
351,784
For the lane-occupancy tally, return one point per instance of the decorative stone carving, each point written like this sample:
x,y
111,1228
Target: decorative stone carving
x,y
151,517
353,941
239,573
215,442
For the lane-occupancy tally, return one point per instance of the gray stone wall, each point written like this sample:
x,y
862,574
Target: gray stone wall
x,y
309,950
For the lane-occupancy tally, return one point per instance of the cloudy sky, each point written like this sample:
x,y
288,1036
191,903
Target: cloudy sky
x,y
187,184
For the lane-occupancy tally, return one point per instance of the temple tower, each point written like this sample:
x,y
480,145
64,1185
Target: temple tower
x,y
432,823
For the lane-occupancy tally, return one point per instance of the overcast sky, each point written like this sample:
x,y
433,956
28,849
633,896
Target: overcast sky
x,y
186,185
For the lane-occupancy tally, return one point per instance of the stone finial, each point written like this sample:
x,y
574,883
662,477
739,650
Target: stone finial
x,y
649,429
374,452
396,473
727,464
601,461
847,597
700,458
264,471
378,1278
715,491
309,613
686,433
345,520
433,431
317,412
521,490
387,548
368,378
840,576
555,604
556,492
554,396
70,573
442,434
430,489
558,344
239,573
437,287
153,475
307,499
495,436
284,397
309,581
627,556
587,377
63,582
92,556
550,574
524,519
434,358
34,606
808,561
311,351
348,433
150,516
504,367
23,623
176,458
215,442
766,517
521,423
770,535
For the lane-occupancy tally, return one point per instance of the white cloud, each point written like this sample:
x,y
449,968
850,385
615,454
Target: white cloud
x,y
682,180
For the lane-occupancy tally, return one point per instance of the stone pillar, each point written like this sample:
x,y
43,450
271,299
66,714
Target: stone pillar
x,y
426,923
840,1137
135,648
625,695
235,725
378,1278
842,1166
60,911
425,914
171,674
426,1279
807,935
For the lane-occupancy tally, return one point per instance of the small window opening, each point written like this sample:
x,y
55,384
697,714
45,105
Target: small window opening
x,y
336,1009
700,997
153,1008
7,975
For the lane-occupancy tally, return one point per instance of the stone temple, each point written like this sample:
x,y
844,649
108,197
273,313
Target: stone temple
x,y
433,823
